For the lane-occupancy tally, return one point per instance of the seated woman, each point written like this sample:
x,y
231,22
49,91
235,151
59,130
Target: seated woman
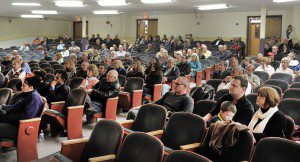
x,y
91,79
268,121
137,70
58,58
26,105
195,65
152,62
119,67
70,68
155,77
265,66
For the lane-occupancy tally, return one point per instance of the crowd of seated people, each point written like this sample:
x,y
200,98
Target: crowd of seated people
x,y
168,62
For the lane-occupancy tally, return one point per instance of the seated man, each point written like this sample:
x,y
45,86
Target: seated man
x,y
83,71
24,65
222,73
236,96
178,101
17,71
170,73
98,95
184,66
252,78
227,112
58,91
26,105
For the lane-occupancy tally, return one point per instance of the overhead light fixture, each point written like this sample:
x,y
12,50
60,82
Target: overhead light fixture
x,y
255,21
213,7
25,4
106,12
282,1
33,16
156,1
46,12
69,3
112,2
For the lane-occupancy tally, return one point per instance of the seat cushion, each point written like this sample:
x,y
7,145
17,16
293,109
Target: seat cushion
x,y
56,113
61,158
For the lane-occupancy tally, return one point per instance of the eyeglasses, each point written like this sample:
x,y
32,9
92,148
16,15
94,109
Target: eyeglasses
x,y
177,84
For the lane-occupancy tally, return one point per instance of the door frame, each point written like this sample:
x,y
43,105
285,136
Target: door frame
x,y
87,27
248,29
137,25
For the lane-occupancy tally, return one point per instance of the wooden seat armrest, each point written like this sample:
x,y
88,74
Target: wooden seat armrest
x,y
30,120
74,141
190,146
58,106
124,93
75,107
138,91
57,103
107,158
156,133
127,123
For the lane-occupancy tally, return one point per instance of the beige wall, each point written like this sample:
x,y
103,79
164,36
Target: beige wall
x,y
20,28
98,26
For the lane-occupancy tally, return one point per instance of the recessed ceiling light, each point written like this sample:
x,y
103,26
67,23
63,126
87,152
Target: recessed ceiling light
x,y
281,1
106,12
157,1
69,3
32,16
112,2
25,4
213,7
47,12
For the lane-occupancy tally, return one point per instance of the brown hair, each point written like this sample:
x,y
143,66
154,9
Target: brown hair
x,y
271,95
94,69
228,106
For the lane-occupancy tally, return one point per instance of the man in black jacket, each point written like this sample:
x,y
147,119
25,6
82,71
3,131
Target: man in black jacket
x,y
222,73
236,95
184,66
108,87
58,91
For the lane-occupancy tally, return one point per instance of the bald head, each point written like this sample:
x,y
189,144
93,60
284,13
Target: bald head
x,y
111,76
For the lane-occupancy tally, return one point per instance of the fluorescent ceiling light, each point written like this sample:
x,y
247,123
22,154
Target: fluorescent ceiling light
x,y
213,7
47,12
156,1
69,3
106,12
25,4
32,16
281,1
112,2
255,21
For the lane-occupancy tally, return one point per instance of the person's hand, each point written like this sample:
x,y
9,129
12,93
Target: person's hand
x,y
164,79
53,84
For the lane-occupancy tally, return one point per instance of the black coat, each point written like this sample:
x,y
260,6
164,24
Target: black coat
x,y
151,80
104,90
60,93
221,75
185,69
172,75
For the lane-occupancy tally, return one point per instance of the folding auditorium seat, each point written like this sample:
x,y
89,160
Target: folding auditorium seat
x,y
278,89
137,147
214,83
290,127
132,94
57,67
32,65
122,80
150,119
282,76
240,151
204,73
5,96
292,93
26,142
67,115
45,65
276,149
291,107
284,85
185,156
110,109
184,131
203,107
213,61
295,85
32,62
15,84
262,74
156,93
75,82
54,63
35,68
252,98
220,93
97,145
49,70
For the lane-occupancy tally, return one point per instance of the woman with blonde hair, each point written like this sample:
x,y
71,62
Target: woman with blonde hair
x,y
268,121
95,56
136,70
266,67
119,67
58,58
91,79
70,68
195,65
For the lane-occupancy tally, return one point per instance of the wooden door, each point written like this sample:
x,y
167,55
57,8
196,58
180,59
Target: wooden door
x,y
146,27
141,28
273,27
152,27
254,38
77,30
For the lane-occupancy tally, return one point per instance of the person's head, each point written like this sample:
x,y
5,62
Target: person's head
x,y
17,64
154,60
267,97
61,41
222,65
266,61
177,55
61,76
120,48
102,69
234,62
180,85
111,76
117,36
250,69
227,111
285,41
69,64
259,56
118,64
31,83
107,61
290,27
247,61
275,50
291,56
137,66
236,71
170,62
15,52
73,57
18,57
183,59
164,53
8,57
84,66
92,71
58,56
103,46
284,63
285,47
127,56
156,69
195,57
267,46
40,73
221,48
84,56
203,47
238,87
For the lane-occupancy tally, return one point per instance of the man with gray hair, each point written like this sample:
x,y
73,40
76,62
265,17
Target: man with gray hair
x,y
24,65
177,101
170,73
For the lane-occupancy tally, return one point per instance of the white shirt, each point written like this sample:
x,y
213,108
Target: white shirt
x,y
65,53
287,71
122,54
227,85
21,76
269,69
